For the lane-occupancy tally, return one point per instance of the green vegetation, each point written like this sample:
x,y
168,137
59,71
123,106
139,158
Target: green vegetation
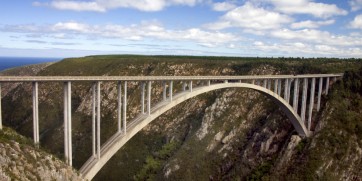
x,y
8,135
154,163
260,172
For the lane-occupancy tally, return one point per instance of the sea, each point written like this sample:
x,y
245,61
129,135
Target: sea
x,y
10,62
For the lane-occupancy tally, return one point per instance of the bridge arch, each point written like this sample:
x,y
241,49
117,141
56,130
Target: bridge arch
x,y
93,165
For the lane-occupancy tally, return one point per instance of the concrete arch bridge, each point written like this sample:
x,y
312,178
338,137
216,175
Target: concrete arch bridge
x,y
284,90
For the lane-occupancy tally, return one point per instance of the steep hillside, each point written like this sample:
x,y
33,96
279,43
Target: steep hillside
x,y
20,160
231,134
335,150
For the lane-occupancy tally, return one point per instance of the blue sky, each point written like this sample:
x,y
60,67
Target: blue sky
x,y
72,28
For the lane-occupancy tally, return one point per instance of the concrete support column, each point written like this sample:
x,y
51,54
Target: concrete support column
x,y
35,113
276,86
257,82
320,87
279,87
190,86
125,107
296,95
1,118
164,90
170,90
253,82
289,88
208,82
94,87
327,85
68,123
334,79
226,81
143,87
119,108
304,99
98,131
184,86
65,93
269,84
239,81
311,104
286,84
149,97
264,83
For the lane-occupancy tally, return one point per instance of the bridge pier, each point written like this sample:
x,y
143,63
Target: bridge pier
x,y
190,86
94,86
264,83
304,99
149,97
170,90
286,84
165,90
208,83
119,105
289,89
327,85
276,86
295,96
279,87
35,113
98,119
143,87
125,107
319,93
68,123
1,118
311,104
269,84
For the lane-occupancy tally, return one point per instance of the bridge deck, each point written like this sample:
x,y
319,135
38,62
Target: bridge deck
x,y
151,78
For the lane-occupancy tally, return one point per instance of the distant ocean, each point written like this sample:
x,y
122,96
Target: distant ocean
x,y
10,62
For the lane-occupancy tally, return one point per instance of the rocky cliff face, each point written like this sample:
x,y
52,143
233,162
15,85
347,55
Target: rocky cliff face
x,y
21,161
231,134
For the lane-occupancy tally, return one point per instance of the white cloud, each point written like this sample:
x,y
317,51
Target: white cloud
x,y
326,48
311,24
136,32
317,36
356,23
355,5
250,17
320,10
223,6
71,26
306,49
104,5
78,6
